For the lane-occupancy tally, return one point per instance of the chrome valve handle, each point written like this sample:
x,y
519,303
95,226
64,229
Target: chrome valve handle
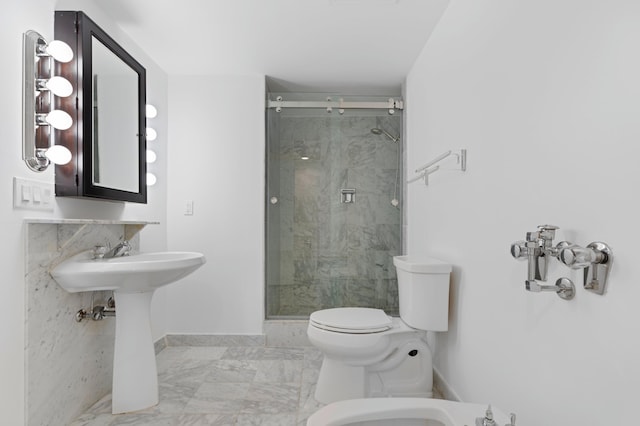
x,y
519,250
576,257
596,259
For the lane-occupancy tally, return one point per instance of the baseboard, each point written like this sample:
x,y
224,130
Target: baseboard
x,y
160,344
286,333
443,388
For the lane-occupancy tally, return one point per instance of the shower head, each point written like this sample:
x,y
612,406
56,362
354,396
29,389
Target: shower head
x,y
379,131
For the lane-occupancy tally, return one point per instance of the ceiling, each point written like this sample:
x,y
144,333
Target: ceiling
x,y
355,46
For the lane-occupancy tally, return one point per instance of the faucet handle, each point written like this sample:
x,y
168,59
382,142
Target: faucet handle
x,y
577,257
548,227
487,420
512,420
547,232
99,251
519,250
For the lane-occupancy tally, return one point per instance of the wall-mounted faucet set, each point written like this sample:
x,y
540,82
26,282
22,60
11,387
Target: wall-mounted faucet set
x,y
596,259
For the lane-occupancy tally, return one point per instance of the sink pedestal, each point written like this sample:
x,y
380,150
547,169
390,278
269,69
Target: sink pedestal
x,y
133,279
135,376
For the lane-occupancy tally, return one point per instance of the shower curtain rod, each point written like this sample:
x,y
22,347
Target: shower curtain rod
x,y
278,104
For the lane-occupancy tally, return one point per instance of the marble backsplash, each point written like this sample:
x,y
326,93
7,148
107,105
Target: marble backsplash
x,y
68,364
322,252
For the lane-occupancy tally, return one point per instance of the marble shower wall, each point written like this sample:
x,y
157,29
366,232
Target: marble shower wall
x,y
321,252
69,364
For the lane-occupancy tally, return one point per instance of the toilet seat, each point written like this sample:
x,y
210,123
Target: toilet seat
x,y
351,320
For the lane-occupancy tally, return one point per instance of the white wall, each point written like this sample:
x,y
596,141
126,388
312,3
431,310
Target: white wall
x,y
217,152
17,17
545,96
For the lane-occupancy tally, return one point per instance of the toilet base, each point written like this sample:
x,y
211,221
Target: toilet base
x,y
350,384
404,373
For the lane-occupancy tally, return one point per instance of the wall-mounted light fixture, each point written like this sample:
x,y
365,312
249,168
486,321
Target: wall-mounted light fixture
x,y
38,87
151,112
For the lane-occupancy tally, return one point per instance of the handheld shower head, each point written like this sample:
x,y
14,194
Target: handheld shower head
x,y
379,131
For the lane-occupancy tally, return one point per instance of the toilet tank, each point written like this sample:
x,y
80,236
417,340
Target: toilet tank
x,y
423,291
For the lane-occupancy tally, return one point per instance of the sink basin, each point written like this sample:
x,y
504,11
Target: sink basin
x,y
133,280
127,274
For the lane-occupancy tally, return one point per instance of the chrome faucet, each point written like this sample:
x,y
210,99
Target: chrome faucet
x,y
487,420
537,248
121,249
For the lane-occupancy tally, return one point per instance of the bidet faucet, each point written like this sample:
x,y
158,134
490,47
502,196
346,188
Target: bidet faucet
x,y
487,420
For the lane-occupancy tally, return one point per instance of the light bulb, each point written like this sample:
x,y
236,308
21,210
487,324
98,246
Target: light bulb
x,y
151,156
151,134
58,119
151,179
58,154
59,86
151,111
59,50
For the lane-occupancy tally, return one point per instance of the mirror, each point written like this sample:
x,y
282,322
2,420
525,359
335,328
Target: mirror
x,y
108,138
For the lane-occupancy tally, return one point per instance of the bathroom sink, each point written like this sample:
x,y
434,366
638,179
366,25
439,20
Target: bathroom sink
x,y
127,274
133,279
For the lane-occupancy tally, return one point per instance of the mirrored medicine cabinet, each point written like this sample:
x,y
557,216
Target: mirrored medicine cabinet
x,y
107,140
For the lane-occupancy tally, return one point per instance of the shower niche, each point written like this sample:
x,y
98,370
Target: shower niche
x,y
325,246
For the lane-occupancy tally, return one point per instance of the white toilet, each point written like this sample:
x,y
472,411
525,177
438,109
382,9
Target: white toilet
x,y
369,354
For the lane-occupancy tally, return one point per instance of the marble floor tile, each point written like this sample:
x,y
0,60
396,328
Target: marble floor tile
x,y
224,385
287,419
271,398
279,371
231,371
218,398
263,353
192,352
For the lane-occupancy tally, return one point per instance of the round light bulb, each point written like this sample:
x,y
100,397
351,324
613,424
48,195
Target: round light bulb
x,y
59,50
151,134
151,111
58,154
151,179
59,119
151,156
59,86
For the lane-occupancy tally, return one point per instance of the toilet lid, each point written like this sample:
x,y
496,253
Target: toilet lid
x,y
351,320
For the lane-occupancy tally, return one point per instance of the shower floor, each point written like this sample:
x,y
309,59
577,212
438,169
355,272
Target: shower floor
x,y
215,385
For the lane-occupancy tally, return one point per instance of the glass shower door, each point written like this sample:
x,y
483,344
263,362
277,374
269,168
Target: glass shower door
x,y
334,218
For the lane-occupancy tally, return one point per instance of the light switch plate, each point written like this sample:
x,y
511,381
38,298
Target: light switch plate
x,y
188,208
32,194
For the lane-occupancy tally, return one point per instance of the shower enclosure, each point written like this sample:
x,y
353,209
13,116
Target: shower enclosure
x,y
333,206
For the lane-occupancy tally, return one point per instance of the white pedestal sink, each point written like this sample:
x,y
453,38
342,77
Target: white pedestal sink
x,y
133,280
